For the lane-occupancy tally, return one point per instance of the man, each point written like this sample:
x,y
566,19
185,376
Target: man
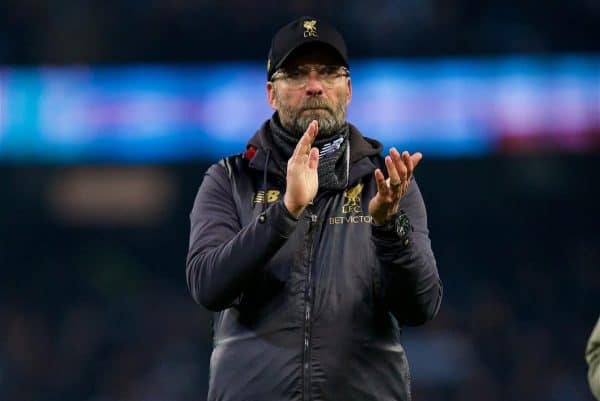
x,y
308,287
592,355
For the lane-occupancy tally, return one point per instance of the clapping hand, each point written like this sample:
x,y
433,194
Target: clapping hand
x,y
302,178
390,191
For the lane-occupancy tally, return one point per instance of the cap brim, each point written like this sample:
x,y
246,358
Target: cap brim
x,y
305,44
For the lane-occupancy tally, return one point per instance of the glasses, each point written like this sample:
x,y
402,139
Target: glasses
x,y
298,77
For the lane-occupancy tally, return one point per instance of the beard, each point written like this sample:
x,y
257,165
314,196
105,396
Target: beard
x,y
331,117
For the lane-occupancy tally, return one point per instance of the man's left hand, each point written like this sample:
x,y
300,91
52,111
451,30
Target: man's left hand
x,y
400,169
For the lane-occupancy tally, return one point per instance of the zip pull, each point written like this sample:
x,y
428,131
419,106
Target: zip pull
x,y
309,213
310,216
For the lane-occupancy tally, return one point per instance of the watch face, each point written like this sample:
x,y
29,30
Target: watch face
x,y
402,225
401,231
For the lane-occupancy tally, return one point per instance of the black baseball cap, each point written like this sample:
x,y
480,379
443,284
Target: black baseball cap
x,y
300,32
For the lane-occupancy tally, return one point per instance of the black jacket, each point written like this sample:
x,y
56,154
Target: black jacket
x,y
306,309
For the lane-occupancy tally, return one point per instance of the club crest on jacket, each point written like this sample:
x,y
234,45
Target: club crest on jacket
x,y
352,199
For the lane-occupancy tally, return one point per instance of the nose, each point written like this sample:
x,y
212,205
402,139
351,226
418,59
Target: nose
x,y
314,87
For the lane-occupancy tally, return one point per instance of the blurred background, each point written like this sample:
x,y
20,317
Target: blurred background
x,y
111,111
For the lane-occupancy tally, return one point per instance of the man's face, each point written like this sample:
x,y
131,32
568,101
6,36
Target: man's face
x,y
308,88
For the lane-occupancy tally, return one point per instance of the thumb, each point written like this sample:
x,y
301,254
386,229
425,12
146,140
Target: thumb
x,y
313,159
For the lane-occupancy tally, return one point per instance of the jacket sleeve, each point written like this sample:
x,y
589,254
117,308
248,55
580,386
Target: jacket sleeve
x,y
592,356
222,254
412,288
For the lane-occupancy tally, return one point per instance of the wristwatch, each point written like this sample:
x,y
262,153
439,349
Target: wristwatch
x,y
397,227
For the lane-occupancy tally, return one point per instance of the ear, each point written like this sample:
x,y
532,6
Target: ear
x,y
349,92
271,95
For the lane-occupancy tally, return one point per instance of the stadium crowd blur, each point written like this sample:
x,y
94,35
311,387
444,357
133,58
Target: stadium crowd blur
x,y
98,310
183,30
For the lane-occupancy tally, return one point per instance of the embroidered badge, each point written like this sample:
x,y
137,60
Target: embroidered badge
x,y
310,29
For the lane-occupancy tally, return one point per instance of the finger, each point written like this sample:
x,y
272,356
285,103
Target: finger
x,y
394,182
311,133
416,158
316,130
303,145
313,159
408,163
382,186
297,149
392,173
399,164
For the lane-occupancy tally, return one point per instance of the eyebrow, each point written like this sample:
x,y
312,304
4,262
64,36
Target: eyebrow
x,y
313,66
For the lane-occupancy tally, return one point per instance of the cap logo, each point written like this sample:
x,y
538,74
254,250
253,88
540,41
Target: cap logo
x,y
268,64
310,29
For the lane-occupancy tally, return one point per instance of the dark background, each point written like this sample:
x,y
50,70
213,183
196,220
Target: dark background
x,y
116,31
93,300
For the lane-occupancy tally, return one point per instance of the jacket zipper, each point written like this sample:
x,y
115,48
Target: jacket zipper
x,y
308,295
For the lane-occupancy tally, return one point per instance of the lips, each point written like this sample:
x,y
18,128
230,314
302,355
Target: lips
x,y
316,108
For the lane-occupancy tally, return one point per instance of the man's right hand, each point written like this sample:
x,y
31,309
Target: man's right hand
x,y
302,178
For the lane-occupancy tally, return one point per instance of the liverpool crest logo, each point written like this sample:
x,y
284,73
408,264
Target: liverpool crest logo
x,y
310,29
352,199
